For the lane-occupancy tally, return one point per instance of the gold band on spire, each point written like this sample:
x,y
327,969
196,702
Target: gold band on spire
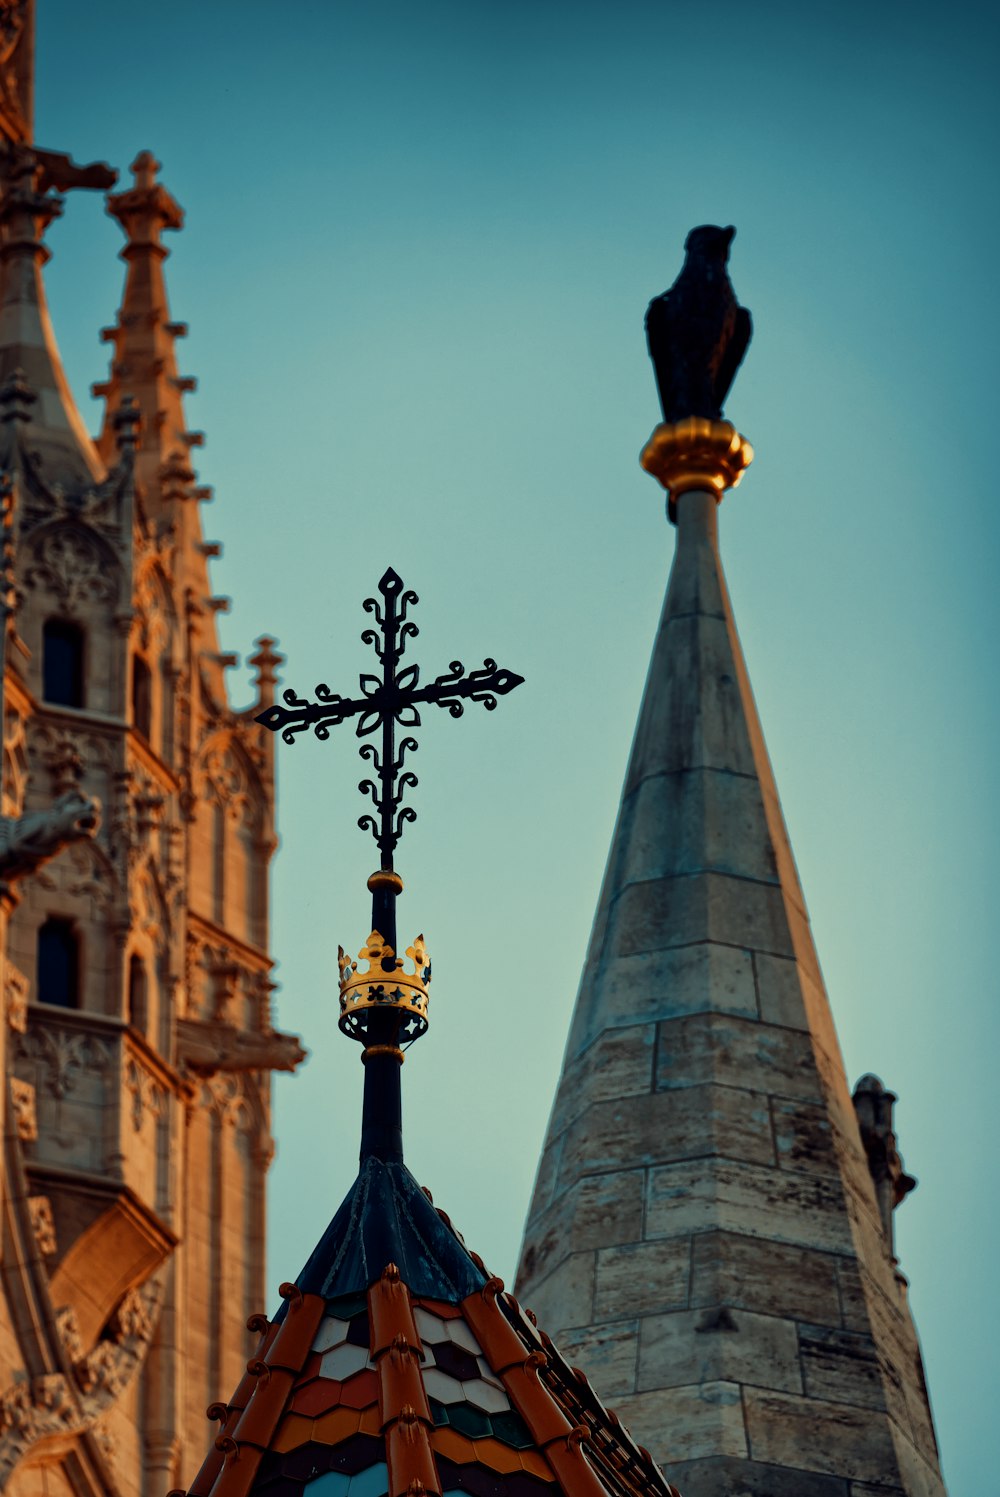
x,y
696,454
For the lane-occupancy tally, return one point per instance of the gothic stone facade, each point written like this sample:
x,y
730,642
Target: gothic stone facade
x,y
137,1037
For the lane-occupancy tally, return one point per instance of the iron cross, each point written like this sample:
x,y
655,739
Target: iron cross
x,y
385,702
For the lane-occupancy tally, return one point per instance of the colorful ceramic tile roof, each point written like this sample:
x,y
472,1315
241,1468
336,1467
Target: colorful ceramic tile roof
x,y
397,1367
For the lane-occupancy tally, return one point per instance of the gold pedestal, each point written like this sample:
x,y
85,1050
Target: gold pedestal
x,y
696,454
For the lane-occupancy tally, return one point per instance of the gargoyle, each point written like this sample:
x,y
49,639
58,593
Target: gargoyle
x,y
28,841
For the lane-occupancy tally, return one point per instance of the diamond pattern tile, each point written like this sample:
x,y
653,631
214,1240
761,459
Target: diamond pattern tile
x,y
343,1361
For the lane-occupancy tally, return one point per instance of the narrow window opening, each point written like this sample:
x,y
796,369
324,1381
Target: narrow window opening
x,y
62,663
58,963
142,696
138,1007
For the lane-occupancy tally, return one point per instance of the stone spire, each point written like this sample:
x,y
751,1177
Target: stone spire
x,y
56,433
145,362
705,1234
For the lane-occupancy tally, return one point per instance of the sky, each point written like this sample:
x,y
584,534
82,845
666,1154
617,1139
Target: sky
x,y
420,241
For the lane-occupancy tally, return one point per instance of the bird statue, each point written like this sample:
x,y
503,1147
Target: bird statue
x,y
697,331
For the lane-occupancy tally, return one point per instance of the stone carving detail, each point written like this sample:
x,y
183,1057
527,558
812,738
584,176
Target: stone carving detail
x,y
71,563
22,1095
146,1093
873,1105
69,1332
86,872
153,609
36,837
228,1098
31,1410
106,1440
64,763
15,764
13,14
43,1225
15,998
49,1405
63,1055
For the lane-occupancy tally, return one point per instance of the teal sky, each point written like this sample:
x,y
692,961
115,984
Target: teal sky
x,y
420,243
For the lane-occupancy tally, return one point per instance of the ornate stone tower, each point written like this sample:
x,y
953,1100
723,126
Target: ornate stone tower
x,y
138,1041
710,1233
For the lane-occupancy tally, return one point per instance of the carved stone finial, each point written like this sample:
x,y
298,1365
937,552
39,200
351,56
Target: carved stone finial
x,y
266,662
144,169
147,208
873,1105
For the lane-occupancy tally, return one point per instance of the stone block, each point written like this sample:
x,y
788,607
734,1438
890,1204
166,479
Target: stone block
x,y
920,1477
731,1051
699,907
718,1345
693,821
724,1477
642,1277
807,1210
840,1366
689,1123
687,1424
804,1136
618,1064
837,1438
853,1301
606,1353
602,1211
770,1277
695,716
652,985
780,998
565,1297
545,1179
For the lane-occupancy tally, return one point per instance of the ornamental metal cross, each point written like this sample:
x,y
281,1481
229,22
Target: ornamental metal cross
x,y
386,701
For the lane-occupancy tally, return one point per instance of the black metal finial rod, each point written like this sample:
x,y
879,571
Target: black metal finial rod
x,y
387,702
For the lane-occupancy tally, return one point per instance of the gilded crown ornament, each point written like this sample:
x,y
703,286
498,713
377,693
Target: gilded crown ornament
x,y
384,984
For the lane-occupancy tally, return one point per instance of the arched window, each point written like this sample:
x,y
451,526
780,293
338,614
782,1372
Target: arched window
x,y
62,663
58,980
142,696
138,1008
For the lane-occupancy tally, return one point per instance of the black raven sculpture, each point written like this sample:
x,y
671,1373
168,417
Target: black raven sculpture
x,y
697,331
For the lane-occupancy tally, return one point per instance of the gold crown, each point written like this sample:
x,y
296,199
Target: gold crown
x,y
384,984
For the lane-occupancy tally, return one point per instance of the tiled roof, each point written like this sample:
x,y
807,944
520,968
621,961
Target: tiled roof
x,y
397,1367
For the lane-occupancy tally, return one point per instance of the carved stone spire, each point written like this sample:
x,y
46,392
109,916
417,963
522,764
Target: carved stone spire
x,y
28,205
704,1235
145,363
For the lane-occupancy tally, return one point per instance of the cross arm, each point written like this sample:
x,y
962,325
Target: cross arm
x,y
298,714
484,686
